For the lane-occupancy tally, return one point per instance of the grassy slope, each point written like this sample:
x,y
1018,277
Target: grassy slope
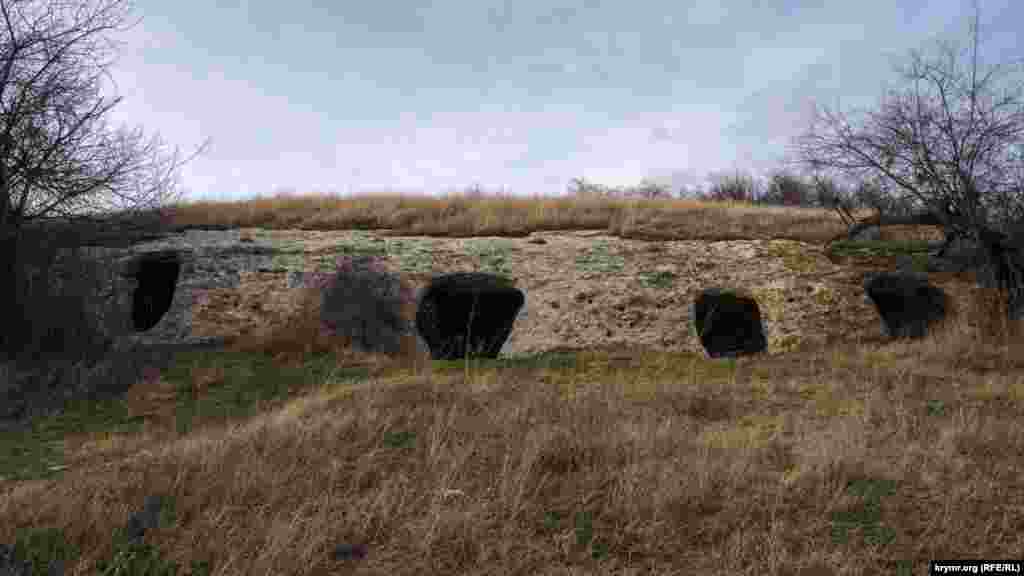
x,y
853,459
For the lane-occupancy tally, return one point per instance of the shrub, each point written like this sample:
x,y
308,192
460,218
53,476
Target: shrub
x,y
871,194
726,187
648,189
364,303
786,189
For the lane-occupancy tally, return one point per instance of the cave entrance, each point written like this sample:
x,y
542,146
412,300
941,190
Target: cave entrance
x,y
157,276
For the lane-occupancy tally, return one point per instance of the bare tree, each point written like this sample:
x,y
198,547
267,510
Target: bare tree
x,y
58,157
948,142
732,186
786,188
650,190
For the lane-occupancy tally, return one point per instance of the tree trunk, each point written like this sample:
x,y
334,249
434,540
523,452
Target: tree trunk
x,y
917,219
951,231
1004,261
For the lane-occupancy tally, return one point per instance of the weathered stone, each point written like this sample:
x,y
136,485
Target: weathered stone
x,y
909,266
467,313
200,273
11,564
963,254
296,279
869,234
728,324
349,552
146,519
958,255
907,303
43,309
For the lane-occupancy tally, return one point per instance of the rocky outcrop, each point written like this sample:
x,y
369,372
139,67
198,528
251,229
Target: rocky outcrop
x,y
145,296
868,234
139,302
146,292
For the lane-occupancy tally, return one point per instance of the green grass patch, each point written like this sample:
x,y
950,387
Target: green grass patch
x,y
885,248
556,360
600,260
493,254
248,382
44,548
399,439
865,518
37,452
659,279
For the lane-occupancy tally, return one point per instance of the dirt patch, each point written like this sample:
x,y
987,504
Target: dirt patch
x,y
589,289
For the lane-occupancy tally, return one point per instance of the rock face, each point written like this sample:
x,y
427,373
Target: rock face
x,y
908,304
296,279
869,234
146,296
124,298
470,312
11,564
728,324
960,255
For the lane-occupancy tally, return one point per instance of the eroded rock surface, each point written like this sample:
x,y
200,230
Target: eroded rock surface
x,y
587,289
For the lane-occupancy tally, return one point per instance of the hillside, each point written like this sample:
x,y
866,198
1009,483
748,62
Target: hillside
x,y
605,443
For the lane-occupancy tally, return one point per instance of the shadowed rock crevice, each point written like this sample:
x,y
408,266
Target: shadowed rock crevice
x,y
157,277
908,304
728,324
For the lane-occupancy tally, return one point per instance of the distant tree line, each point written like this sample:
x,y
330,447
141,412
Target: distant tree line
x,y
783,187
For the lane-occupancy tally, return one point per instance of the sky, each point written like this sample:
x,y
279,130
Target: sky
x,y
415,96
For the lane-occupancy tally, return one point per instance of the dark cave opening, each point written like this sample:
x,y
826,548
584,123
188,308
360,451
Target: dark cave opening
x,y
158,278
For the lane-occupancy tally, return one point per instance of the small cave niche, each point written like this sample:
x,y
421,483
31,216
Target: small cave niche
x,y
157,275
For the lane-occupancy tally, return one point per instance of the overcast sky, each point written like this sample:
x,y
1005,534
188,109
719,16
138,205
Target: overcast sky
x,y
428,96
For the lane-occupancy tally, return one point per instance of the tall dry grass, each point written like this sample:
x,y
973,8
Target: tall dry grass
x,y
459,216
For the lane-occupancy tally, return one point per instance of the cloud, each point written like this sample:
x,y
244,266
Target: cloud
x,y
519,95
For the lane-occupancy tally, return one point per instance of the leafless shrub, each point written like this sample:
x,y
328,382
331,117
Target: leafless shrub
x,y
365,303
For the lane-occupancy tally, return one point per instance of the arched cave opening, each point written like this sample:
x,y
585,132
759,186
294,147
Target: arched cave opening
x,y
157,277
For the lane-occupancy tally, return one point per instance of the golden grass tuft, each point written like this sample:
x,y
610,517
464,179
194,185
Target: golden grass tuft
x,y
502,215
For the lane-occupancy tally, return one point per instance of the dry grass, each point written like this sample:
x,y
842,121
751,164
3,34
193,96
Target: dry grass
x,y
858,458
292,339
459,216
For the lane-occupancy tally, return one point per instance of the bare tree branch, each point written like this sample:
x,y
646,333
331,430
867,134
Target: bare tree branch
x,y
951,140
58,157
